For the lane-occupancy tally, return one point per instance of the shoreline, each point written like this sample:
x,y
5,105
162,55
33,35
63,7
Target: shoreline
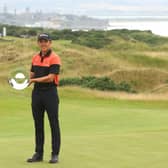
x,y
158,27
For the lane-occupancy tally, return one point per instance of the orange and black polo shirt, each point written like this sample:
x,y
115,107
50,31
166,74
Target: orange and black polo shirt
x,y
43,66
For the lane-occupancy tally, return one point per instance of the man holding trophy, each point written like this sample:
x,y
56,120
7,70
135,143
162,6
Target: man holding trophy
x,y
44,74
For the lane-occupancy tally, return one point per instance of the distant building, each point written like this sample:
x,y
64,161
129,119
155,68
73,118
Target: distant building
x,y
5,9
27,10
15,12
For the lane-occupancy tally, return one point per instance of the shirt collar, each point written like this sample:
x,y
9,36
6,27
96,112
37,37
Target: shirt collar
x,y
47,53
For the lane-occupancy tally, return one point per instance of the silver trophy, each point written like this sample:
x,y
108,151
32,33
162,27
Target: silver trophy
x,y
18,80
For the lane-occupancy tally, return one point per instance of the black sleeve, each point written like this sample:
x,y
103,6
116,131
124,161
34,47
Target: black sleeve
x,y
32,68
54,69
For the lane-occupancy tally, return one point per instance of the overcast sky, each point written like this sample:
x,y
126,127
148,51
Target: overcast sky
x,y
91,7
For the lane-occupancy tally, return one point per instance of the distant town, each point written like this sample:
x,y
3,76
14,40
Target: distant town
x,y
53,20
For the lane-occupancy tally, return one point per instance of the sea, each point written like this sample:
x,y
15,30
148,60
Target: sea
x,y
157,24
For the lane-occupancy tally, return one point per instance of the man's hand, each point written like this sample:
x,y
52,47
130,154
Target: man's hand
x,y
30,82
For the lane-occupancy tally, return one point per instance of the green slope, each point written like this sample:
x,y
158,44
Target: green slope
x,y
139,58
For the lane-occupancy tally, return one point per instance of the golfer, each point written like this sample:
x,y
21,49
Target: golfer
x,y
44,74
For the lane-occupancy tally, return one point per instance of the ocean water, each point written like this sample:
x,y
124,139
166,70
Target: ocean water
x,y
158,25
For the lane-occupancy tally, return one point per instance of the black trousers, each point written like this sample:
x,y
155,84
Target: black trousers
x,y
46,100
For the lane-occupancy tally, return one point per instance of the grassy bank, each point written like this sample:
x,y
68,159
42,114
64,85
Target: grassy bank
x,y
138,58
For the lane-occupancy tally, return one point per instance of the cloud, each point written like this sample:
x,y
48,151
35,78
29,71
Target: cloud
x,y
83,6
109,6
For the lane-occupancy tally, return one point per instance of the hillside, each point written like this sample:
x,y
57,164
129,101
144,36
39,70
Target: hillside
x,y
136,57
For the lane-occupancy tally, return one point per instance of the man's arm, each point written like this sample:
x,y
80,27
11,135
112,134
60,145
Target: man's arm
x,y
44,79
31,75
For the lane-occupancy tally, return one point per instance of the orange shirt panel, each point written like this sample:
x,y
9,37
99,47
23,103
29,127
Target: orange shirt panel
x,y
47,62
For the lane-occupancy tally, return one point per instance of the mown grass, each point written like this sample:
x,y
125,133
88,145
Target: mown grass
x,y
96,131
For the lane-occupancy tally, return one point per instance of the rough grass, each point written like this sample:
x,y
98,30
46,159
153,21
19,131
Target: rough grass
x,y
143,79
123,60
158,94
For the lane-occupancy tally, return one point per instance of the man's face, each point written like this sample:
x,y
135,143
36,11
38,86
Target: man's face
x,y
44,45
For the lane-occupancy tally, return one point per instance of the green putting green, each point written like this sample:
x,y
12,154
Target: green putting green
x,y
96,132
